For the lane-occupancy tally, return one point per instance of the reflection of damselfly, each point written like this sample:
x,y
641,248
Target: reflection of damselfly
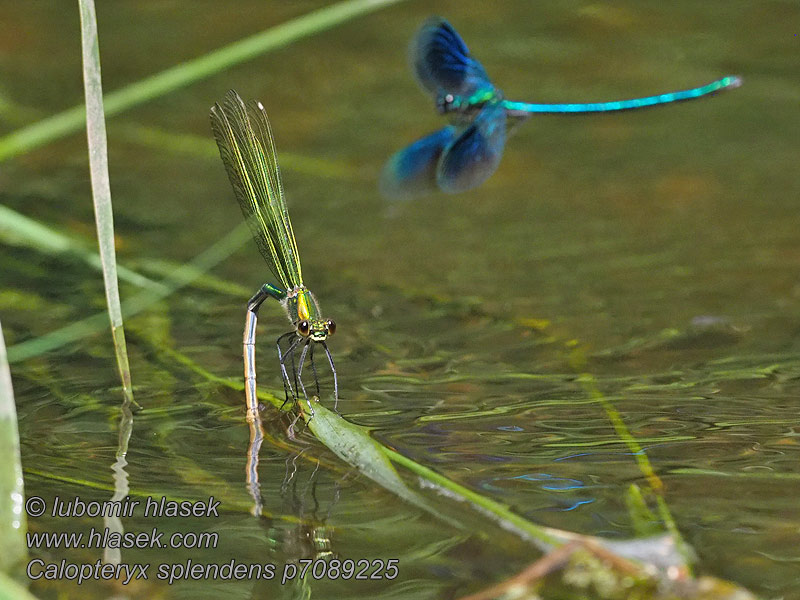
x,y
247,148
464,154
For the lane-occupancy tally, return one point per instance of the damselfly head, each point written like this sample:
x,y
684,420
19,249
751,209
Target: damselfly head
x,y
446,103
316,330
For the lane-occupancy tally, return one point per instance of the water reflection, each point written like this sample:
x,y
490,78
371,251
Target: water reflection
x,y
121,487
309,536
253,450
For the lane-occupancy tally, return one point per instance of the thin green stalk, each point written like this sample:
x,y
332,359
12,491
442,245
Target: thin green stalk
x,y
642,460
71,120
763,475
354,445
101,188
500,512
12,493
544,537
17,229
577,362
183,276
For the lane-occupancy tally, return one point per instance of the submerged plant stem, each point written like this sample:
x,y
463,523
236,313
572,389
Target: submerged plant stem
x,y
18,229
183,276
589,384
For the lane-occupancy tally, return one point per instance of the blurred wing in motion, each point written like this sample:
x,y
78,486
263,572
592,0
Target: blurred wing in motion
x,y
474,155
412,171
442,62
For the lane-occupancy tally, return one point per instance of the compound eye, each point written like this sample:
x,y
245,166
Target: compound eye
x,y
330,325
449,98
304,328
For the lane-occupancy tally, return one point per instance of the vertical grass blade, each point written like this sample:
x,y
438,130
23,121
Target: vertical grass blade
x,y
71,120
12,516
101,189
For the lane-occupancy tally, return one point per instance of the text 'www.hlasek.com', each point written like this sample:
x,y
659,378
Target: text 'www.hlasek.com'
x,y
106,538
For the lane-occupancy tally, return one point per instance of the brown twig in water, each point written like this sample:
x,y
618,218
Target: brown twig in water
x,y
552,562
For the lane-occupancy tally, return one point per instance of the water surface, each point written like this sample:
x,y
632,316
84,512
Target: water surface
x,y
656,252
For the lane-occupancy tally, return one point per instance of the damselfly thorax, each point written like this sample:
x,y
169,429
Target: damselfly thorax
x,y
462,110
303,311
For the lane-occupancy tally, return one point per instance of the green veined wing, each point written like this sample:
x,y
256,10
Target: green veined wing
x,y
246,146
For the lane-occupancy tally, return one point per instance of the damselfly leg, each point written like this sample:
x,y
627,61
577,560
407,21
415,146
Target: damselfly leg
x,y
282,356
287,388
335,378
515,120
292,341
297,374
314,370
300,369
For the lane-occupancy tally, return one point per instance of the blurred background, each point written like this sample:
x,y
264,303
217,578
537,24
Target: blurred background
x,y
656,251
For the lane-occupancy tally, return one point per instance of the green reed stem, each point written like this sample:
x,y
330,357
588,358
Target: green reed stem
x,y
179,76
500,512
12,493
354,444
101,188
577,362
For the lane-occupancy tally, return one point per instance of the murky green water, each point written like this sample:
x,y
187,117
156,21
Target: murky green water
x,y
655,252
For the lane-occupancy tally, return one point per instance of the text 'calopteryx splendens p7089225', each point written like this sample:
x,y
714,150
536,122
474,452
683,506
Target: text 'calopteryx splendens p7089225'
x,y
247,148
464,154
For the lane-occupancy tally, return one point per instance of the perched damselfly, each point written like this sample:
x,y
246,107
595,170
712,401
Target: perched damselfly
x,y
465,153
247,148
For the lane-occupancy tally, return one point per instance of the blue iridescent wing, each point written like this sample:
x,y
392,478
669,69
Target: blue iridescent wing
x,y
412,171
442,62
473,156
